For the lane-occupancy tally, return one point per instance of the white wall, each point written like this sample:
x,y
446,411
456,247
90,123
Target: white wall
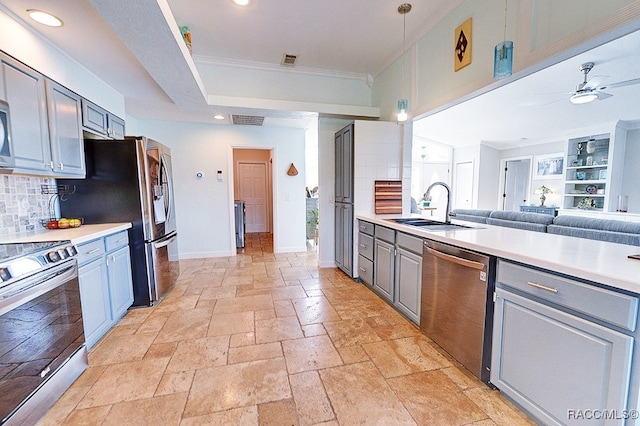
x,y
204,207
431,77
32,49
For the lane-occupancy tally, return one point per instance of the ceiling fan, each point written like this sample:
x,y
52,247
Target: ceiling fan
x,y
590,90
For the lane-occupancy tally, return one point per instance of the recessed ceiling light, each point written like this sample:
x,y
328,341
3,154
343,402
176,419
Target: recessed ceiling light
x,y
218,117
241,2
44,18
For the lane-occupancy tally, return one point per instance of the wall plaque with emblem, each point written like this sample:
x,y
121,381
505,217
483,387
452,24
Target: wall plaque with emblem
x,y
462,46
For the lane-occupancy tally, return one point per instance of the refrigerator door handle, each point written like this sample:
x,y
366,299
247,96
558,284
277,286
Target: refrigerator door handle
x,y
165,241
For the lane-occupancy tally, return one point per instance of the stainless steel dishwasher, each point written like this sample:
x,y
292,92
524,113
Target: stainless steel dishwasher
x,y
457,304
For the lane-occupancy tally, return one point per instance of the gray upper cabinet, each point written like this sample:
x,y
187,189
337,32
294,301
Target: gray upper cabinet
x,y
65,130
25,91
45,122
344,165
115,127
101,122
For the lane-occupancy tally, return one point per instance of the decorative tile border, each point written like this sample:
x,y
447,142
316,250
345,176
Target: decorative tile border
x,y
22,206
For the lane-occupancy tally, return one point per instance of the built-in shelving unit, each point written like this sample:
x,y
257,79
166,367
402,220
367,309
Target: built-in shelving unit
x,y
587,173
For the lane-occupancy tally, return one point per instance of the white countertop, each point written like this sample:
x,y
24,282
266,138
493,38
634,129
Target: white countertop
x,y
598,261
77,235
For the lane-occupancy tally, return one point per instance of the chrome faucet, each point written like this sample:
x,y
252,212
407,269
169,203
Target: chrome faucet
x,y
426,194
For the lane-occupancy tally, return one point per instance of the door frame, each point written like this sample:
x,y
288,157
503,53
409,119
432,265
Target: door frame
x,y
231,186
502,182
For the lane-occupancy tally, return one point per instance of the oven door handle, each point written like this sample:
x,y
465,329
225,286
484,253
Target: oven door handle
x,y
38,285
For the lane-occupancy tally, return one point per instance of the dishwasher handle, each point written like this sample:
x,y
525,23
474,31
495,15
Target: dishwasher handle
x,y
455,259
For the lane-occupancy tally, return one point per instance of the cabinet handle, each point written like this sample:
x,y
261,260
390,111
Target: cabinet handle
x,y
93,251
122,240
363,269
61,166
542,287
363,246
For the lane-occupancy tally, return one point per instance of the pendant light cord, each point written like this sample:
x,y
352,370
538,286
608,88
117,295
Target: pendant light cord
x,y
404,47
504,34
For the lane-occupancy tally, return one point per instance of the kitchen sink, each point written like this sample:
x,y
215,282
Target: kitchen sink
x,y
432,225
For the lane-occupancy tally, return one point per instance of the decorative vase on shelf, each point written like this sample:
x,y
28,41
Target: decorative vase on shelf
x,y
591,146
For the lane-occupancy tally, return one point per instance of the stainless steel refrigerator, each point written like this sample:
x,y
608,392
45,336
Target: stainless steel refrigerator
x,y
130,181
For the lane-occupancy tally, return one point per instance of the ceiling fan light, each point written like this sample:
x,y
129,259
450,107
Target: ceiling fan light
x,y
583,98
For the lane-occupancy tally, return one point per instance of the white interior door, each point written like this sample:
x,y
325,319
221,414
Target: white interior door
x,y
252,181
516,182
463,191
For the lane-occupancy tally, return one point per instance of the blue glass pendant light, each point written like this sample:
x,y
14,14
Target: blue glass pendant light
x,y
403,104
503,53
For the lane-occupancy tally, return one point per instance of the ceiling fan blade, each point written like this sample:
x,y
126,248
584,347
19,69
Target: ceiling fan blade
x,y
622,83
595,82
603,95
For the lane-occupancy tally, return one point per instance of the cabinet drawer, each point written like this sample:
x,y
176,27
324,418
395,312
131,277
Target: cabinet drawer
x,y
115,241
410,242
89,251
385,234
614,308
366,227
365,246
365,270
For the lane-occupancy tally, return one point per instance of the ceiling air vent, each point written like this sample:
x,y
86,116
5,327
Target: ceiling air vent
x,y
247,120
289,60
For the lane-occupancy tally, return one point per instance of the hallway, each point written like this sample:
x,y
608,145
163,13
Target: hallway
x,y
271,339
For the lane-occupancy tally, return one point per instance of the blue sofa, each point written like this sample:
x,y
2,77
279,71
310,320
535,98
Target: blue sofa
x,y
615,231
470,215
520,220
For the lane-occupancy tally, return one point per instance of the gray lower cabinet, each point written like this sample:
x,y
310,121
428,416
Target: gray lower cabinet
x,y
396,263
408,280
550,357
365,253
119,272
384,255
344,237
384,269
94,290
106,287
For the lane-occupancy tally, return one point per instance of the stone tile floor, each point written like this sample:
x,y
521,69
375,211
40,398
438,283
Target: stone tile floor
x,y
271,339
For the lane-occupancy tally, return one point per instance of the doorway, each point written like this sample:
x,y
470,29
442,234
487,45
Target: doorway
x,y
464,182
516,183
253,186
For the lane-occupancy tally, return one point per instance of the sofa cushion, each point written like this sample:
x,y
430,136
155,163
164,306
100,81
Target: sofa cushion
x,y
471,215
520,220
615,231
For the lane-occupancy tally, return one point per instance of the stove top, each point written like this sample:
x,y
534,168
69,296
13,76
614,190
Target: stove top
x,y
19,260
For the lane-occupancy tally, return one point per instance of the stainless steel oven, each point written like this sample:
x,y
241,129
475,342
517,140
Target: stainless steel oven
x,y
42,348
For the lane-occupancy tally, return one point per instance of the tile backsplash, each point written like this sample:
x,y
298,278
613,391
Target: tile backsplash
x,y
22,204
